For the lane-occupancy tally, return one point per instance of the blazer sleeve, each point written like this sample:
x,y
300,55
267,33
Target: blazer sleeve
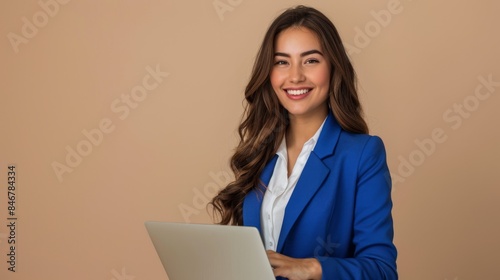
x,y
374,252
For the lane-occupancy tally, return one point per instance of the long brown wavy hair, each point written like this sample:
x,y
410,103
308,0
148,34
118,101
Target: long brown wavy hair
x,y
265,120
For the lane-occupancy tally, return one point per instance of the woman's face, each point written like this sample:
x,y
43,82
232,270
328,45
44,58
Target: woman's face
x,y
300,76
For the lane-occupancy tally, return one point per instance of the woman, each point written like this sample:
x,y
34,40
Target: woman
x,y
307,174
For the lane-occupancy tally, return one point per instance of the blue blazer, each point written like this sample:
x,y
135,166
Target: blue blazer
x,y
340,210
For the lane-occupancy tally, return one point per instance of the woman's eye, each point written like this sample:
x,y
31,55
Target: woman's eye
x,y
312,60
280,62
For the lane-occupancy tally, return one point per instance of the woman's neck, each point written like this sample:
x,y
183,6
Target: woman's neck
x,y
302,128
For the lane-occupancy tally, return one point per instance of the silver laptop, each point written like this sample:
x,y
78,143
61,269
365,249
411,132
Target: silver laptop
x,y
210,252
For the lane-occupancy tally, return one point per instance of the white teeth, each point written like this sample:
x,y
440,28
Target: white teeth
x,y
297,91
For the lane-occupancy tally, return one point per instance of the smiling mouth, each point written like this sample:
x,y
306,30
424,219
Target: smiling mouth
x,y
297,92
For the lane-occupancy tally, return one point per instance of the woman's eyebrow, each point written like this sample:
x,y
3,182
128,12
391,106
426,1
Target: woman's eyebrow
x,y
301,55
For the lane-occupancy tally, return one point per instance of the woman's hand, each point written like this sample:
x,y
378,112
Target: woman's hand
x,y
294,269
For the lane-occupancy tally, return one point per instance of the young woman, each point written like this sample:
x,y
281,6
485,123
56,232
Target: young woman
x,y
307,174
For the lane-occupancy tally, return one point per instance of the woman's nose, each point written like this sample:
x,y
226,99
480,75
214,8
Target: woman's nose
x,y
296,74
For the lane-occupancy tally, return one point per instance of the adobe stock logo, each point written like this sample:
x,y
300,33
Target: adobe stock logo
x,y
30,28
373,28
454,118
223,6
201,199
325,248
122,106
122,275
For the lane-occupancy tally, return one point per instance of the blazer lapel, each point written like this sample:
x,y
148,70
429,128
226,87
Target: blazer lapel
x,y
253,200
312,177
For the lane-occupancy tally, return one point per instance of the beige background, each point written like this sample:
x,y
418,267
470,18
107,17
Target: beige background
x,y
167,156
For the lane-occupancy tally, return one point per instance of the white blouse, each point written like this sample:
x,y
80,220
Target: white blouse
x,y
280,190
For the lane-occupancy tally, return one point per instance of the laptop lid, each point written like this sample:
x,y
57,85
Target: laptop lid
x,y
210,252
